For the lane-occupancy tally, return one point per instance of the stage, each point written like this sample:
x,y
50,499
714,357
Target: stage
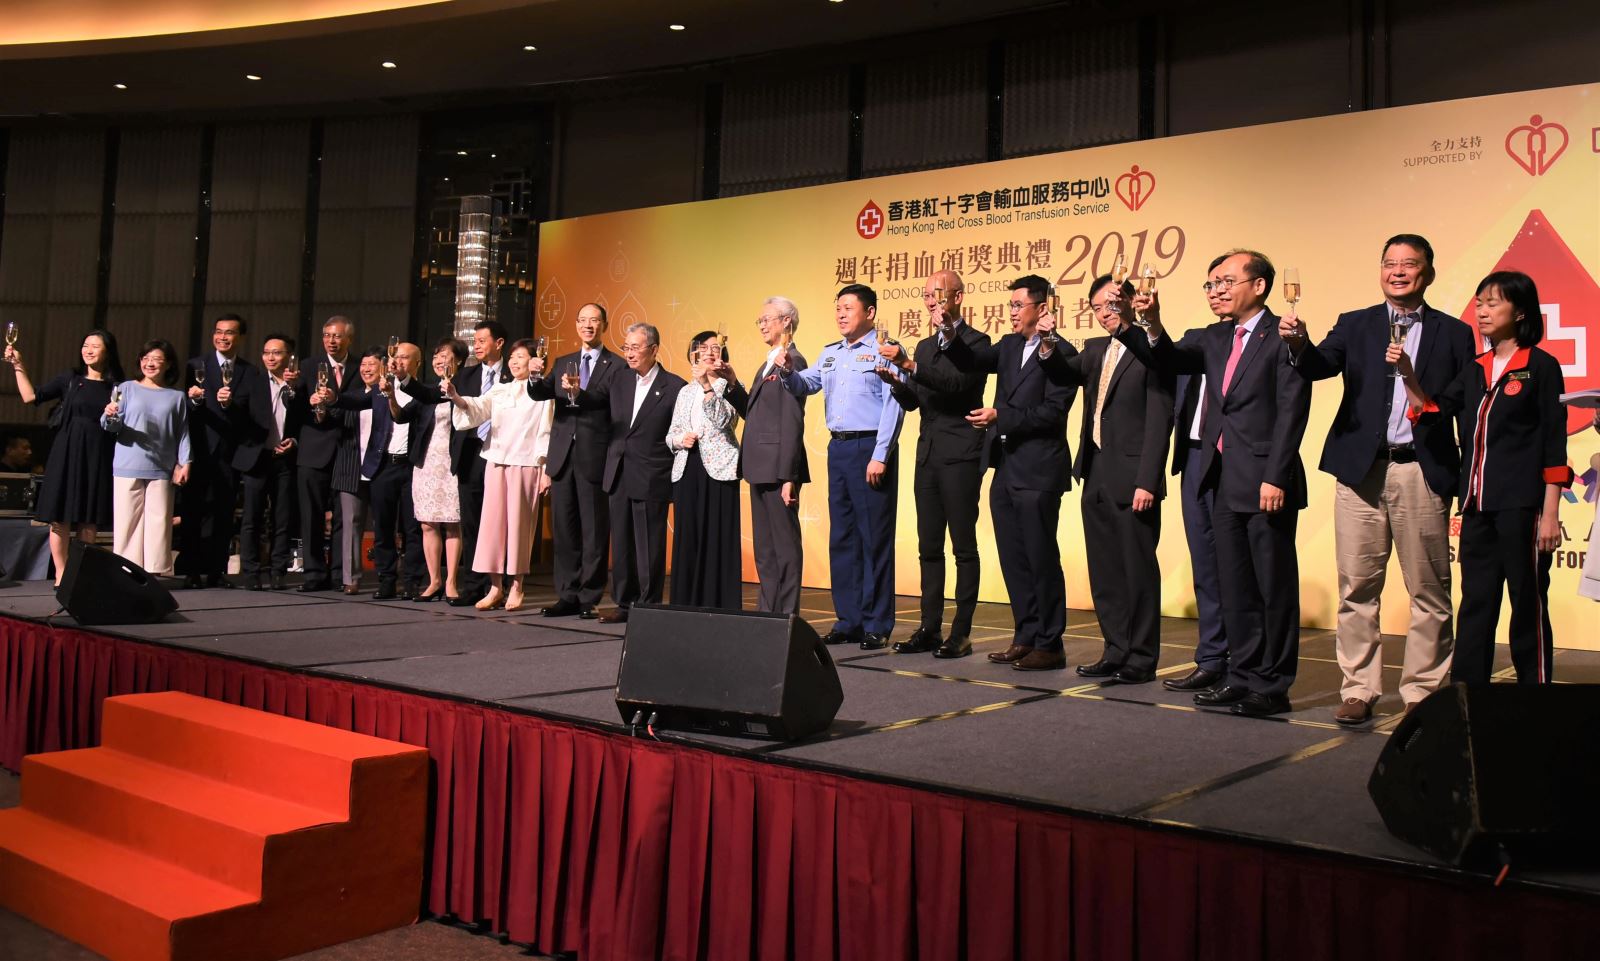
x,y
924,747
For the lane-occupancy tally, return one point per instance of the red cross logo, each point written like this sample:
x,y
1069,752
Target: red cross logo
x,y
869,222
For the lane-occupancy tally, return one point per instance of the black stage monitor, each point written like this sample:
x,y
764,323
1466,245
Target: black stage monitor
x,y
99,587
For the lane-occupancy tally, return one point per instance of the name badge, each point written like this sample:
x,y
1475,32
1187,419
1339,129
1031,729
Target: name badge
x,y
865,358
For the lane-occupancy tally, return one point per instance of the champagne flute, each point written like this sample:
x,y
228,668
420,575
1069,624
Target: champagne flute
x,y
200,379
881,328
1291,287
1051,338
11,333
541,350
293,366
393,348
572,372
1119,270
1397,335
1147,286
722,340
324,374
116,399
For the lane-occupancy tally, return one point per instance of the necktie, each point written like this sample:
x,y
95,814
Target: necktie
x,y
488,385
1107,368
338,375
583,375
1239,333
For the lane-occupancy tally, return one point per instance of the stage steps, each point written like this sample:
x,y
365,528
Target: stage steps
x,y
199,831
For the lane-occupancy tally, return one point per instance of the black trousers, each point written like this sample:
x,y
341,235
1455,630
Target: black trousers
x,y
1259,572
1124,575
580,524
206,534
395,520
638,550
315,485
1030,560
469,486
780,554
268,488
1499,552
947,500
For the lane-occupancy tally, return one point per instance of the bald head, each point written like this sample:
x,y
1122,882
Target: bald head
x,y
942,295
409,358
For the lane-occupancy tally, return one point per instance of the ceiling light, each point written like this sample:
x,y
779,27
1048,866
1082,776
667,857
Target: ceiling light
x,y
675,26
492,156
389,65
461,153
529,47
252,76
120,86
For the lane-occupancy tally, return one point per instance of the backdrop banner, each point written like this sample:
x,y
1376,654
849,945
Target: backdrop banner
x,y
1493,182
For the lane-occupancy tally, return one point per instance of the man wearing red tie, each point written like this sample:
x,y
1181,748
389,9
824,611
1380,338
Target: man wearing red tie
x,y
1254,415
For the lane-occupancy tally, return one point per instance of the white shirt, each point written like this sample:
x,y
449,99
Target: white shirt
x,y
1029,348
365,417
400,437
278,411
519,435
641,390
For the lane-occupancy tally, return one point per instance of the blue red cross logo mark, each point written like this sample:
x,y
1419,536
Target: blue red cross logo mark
x,y
870,221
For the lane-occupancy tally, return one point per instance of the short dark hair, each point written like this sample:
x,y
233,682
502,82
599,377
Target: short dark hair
x,y
1105,280
113,359
1518,288
12,440
1037,287
457,346
1410,240
524,343
699,339
497,330
861,292
379,353
231,316
170,375
288,342
1256,265
605,318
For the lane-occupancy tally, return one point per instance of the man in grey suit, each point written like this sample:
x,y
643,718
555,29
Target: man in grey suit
x,y
773,459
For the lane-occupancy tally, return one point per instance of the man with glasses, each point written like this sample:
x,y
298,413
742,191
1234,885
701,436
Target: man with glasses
x,y
276,414
1122,460
864,422
773,459
947,478
1025,442
1395,479
1253,416
220,384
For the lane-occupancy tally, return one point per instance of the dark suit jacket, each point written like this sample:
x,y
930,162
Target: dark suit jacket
x,y
774,446
1137,424
1027,444
638,462
1355,348
464,444
319,440
255,452
581,434
419,420
1261,421
1187,390
946,395
215,431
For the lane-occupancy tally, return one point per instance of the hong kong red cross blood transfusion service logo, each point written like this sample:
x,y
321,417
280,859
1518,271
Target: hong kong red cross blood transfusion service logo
x,y
1536,145
1135,187
870,221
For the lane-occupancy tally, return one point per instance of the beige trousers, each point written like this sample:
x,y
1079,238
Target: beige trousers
x,y
141,513
1393,505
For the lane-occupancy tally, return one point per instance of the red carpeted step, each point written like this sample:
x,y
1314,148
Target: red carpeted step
x,y
209,827
202,831
109,898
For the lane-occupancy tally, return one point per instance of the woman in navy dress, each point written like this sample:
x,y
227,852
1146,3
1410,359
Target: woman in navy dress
x,y
75,495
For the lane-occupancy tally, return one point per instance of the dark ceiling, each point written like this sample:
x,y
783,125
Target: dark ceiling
x,y
447,48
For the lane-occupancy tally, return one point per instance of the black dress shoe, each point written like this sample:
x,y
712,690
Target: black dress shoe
x,y
921,641
194,582
1100,668
1037,660
310,586
408,592
955,645
874,642
385,592
1256,704
1218,696
1198,679
1133,675
464,600
278,582
253,584
836,637
561,609
588,614
219,580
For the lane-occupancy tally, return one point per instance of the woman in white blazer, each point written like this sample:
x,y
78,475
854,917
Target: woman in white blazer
x,y
513,478
706,553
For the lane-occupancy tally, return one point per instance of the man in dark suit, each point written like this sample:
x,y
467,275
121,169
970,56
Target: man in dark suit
x,y
320,438
1395,478
1122,462
948,478
488,346
638,467
220,384
773,459
1254,416
1211,644
267,462
580,516
1025,442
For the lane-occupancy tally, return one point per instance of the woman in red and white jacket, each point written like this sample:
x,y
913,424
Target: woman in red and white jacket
x,y
1514,464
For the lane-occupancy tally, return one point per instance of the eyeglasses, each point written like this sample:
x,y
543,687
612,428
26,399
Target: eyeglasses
x,y
1407,264
1224,285
1020,305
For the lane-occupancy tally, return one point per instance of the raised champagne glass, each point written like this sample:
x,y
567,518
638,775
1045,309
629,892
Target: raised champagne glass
x,y
227,375
393,349
1291,287
1397,335
572,393
200,380
292,366
722,341
1147,286
324,375
11,333
1051,338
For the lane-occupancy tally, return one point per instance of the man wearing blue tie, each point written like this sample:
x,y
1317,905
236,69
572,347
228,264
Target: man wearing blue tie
x,y
863,421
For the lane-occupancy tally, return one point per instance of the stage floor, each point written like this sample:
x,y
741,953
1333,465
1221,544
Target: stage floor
x,y
968,726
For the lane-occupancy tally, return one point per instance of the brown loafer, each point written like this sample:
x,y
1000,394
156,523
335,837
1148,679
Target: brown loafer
x,y
1042,661
352,589
616,616
1015,652
1353,711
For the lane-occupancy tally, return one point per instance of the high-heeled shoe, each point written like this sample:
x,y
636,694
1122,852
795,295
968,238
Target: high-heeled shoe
x,y
491,600
432,595
514,600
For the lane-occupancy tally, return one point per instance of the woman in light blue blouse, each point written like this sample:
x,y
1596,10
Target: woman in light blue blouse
x,y
151,424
